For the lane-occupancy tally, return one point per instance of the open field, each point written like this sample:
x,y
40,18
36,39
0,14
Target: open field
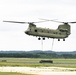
x,y
34,62
28,66
12,73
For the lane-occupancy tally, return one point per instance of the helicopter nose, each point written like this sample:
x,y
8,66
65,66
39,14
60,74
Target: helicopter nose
x,y
26,32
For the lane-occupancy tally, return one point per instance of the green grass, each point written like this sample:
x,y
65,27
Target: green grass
x,y
34,62
12,73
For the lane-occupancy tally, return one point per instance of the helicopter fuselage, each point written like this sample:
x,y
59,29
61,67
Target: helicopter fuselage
x,y
62,32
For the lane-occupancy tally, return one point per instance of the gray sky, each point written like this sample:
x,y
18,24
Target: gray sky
x,y
12,36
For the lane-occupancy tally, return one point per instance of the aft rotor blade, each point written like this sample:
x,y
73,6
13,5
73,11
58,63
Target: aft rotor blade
x,y
71,22
52,20
15,22
57,21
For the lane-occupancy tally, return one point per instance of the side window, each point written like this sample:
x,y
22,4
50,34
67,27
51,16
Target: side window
x,y
42,30
30,29
60,33
35,30
48,31
56,33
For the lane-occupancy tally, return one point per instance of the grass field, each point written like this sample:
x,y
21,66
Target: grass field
x,y
12,73
34,62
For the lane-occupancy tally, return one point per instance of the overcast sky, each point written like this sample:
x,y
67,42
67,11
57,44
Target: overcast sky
x,y
12,36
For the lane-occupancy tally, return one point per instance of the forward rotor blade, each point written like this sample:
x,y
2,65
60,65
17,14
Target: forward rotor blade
x,y
38,22
23,22
15,22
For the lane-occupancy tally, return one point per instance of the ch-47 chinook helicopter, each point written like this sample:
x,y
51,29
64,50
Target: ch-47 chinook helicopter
x,y
62,32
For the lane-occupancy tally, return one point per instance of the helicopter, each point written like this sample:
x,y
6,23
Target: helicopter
x,y
62,32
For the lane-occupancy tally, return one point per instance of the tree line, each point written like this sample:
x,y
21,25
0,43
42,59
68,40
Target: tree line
x,y
36,55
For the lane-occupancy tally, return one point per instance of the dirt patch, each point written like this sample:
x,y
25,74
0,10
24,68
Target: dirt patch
x,y
40,70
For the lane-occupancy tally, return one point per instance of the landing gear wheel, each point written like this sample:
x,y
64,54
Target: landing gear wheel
x,y
58,39
43,38
39,38
63,39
